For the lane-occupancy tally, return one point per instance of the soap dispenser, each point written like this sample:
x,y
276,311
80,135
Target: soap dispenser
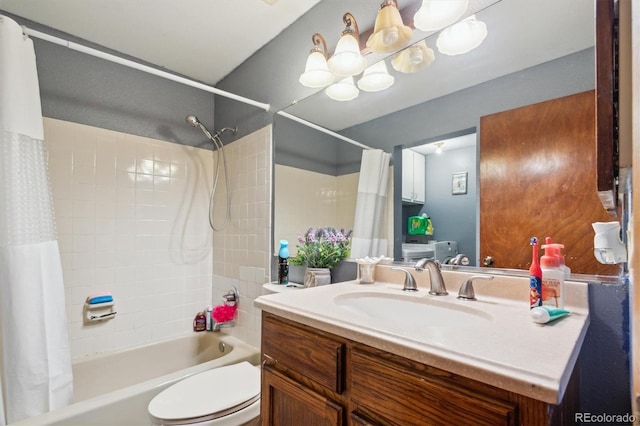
x,y
283,263
553,273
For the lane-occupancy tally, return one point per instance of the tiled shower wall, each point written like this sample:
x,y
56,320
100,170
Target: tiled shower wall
x,y
305,199
131,214
241,250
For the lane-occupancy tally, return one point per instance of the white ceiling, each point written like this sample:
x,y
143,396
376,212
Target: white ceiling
x,y
190,37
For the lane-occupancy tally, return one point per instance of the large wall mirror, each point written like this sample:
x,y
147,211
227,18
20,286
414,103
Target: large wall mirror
x,y
535,51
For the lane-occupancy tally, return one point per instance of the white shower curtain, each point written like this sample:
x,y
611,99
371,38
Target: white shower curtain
x,y
369,237
35,361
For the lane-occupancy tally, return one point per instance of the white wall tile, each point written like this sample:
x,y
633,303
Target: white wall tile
x,y
117,228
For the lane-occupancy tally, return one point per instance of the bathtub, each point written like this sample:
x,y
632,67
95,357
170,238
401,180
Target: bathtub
x,y
115,389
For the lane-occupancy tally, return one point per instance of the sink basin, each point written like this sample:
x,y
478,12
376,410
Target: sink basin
x,y
411,311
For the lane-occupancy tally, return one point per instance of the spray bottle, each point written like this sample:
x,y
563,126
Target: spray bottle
x,y
535,276
283,263
553,273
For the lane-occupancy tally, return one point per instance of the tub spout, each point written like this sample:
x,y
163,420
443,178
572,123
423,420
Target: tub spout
x,y
226,324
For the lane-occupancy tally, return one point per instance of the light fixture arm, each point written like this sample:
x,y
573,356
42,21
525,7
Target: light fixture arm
x,y
349,20
318,41
386,3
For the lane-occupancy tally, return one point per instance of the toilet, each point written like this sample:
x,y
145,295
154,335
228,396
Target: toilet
x,y
224,396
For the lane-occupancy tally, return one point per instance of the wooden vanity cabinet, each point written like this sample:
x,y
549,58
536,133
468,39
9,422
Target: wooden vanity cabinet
x,y
311,377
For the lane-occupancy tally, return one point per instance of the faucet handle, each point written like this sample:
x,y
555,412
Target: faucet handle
x,y
409,282
466,289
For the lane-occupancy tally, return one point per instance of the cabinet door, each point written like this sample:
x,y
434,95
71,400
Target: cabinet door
x,y
407,175
413,177
419,177
285,402
537,178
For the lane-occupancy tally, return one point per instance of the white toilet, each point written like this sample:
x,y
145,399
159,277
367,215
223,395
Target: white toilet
x,y
224,396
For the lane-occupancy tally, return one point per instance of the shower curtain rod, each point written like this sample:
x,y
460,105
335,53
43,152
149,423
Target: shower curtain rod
x,y
323,130
135,65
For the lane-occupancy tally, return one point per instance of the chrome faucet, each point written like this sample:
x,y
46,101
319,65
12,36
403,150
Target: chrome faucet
x,y
466,289
435,276
409,282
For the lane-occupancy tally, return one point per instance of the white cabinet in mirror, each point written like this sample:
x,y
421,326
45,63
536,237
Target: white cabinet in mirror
x,y
413,177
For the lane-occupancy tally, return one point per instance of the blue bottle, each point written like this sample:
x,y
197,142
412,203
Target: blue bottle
x,y
283,262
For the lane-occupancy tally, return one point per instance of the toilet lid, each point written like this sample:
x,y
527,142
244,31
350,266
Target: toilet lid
x,y
213,391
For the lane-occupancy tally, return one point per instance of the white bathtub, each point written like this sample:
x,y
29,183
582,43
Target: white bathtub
x,y
115,389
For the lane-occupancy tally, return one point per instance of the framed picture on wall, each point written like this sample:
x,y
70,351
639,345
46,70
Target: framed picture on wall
x,y
459,183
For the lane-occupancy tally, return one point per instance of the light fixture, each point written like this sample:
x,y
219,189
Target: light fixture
x,y
376,78
389,32
439,147
462,37
343,90
347,59
413,58
316,72
434,15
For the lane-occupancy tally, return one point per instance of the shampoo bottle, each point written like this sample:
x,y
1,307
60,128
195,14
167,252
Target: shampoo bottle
x,y
283,262
553,273
535,277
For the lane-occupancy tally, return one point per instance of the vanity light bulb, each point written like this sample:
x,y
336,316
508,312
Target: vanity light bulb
x,y
434,15
462,37
347,59
389,36
415,55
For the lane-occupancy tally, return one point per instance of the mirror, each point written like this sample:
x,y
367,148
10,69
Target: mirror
x,y
535,51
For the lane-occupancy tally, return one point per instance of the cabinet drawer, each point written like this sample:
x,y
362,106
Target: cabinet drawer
x,y
398,395
313,355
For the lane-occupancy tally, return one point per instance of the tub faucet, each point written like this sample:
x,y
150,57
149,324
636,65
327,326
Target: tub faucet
x,y
230,301
435,276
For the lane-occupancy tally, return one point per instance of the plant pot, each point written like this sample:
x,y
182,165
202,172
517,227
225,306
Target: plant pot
x,y
314,277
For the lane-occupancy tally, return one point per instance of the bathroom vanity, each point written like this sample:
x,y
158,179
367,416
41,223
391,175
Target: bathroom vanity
x,y
327,360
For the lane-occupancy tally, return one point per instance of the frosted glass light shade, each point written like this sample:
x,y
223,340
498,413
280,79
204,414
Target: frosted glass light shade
x,y
413,58
434,15
343,90
347,59
316,72
389,32
462,37
376,78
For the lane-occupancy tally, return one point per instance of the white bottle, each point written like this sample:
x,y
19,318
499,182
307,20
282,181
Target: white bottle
x,y
553,274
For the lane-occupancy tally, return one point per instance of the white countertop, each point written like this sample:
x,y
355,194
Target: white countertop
x,y
509,351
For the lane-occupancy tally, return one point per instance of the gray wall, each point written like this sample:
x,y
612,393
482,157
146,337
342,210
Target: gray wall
x,y
453,216
83,89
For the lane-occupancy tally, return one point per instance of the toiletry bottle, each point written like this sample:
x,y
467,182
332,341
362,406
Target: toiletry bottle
x,y
552,276
560,256
200,322
208,318
283,262
535,276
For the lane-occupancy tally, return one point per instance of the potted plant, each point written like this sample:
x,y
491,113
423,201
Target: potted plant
x,y
320,250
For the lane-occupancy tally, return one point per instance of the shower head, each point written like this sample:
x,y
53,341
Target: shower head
x,y
192,121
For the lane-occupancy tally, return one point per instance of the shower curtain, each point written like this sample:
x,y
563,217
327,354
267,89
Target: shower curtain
x,y
35,358
368,229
